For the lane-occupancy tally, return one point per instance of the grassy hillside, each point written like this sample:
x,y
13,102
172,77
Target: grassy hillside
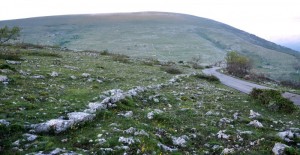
x,y
163,36
165,113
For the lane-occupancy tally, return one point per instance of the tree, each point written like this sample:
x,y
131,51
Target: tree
x,y
238,65
7,34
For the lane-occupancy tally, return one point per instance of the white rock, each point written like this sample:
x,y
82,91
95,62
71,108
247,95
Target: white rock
x,y
226,120
287,135
256,123
38,77
235,116
127,114
130,130
227,151
180,141
254,114
71,67
278,148
166,148
73,77
56,125
97,106
13,62
4,122
78,117
3,78
30,137
85,75
141,132
54,74
221,134
101,141
128,141
151,114
16,143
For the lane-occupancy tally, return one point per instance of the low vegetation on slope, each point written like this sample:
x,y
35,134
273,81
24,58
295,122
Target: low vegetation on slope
x,y
163,36
131,106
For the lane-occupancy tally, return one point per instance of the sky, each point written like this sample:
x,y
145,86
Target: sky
x,y
274,20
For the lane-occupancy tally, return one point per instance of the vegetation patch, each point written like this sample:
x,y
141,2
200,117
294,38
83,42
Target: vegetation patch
x,y
171,69
210,78
273,100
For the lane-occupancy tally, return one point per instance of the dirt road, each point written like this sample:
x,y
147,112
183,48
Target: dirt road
x,y
244,86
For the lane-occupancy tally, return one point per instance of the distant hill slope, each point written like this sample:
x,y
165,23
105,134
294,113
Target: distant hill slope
x,y
164,36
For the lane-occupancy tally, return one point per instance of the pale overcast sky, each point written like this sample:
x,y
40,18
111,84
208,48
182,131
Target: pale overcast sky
x,y
270,19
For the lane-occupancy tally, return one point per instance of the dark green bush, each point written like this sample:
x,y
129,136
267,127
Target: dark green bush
x,y
273,100
210,78
120,58
9,55
171,69
6,66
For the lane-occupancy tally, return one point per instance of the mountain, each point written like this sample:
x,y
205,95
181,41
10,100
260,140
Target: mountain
x,y
163,36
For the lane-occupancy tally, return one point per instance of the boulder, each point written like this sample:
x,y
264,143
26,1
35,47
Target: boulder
x,y
278,148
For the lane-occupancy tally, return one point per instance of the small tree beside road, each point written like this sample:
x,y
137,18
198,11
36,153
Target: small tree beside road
x,y
237,64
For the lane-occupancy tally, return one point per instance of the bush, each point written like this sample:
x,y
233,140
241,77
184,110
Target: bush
x,y
210,78
292,84
9,55
273,100
6,66
237,64
43,54
120,58
171,70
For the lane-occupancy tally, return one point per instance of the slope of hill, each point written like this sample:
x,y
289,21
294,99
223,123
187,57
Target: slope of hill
x,y
68,102
163,36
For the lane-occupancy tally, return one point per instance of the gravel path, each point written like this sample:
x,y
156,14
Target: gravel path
x,y
244,86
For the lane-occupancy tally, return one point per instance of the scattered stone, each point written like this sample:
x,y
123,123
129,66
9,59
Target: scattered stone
x,y
141,132
38,77
16,143
151,114
71,67
210,113
236,116
4,122
127,114
180,141
24,73
244,132
290,134
130,130
97,106
13,62
80,117
254,114
55,125
166,148
128,141
256,124
101,141
73,77
278,148
225,120
54,74
227,151
85,75
3,78
221,134
30,137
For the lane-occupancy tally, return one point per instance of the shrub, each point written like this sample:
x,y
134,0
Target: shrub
x,y
273,100
171,70
292,84
105,52
6,66
9,55
210,78
120,58
237,64
43,54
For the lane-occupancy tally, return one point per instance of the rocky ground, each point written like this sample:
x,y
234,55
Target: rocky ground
x,y
66,102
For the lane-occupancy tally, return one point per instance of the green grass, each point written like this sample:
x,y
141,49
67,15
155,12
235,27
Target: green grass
x,y
162,36
26,101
